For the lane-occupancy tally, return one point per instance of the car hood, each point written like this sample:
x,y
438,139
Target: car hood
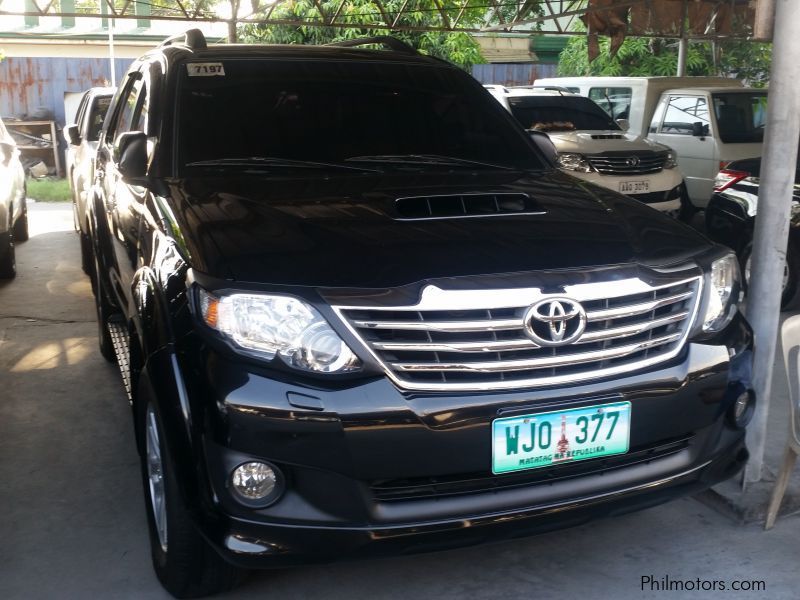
x,y
595,142
346,231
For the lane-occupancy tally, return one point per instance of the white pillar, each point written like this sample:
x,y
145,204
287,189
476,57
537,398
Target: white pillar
x,y
779,158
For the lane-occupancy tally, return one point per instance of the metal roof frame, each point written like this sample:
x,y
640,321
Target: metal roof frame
x,y
448,15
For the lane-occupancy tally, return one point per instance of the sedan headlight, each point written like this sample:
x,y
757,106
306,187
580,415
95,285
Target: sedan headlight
x,y
279,326
670,161
722,285
574,162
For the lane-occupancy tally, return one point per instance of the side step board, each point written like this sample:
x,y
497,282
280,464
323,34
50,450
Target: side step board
x,y
119,338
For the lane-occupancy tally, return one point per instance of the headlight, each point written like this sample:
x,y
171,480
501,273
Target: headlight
x,y
670,162
279,326
722,285
574,162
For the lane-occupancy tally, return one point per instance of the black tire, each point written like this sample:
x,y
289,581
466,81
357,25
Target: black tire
x,y
104,311
8,258
790,296
186,565
21,225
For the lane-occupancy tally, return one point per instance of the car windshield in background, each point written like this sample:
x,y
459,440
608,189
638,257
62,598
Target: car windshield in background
x,y
559,113
99,110
742,117
375,114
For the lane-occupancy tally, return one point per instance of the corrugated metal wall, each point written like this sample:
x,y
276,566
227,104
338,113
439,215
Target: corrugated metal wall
x,y
27,84
512,73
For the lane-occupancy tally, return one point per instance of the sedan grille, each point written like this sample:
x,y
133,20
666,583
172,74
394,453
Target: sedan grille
x,y
491,341
627,163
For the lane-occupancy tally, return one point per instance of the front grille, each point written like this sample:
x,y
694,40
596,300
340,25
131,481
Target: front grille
x,y
627,163
482,343
397,490
465,205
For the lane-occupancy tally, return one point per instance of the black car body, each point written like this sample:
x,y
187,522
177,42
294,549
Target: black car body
x,y
730,219
398,266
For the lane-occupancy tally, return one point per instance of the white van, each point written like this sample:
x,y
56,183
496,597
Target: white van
x,y
708,121
592,147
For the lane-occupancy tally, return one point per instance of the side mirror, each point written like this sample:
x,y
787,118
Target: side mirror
x,y
699,130
6,152
72,135
545,145
130,154
624,124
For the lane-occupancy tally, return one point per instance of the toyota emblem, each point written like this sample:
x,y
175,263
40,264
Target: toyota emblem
x,y
555,321
632,161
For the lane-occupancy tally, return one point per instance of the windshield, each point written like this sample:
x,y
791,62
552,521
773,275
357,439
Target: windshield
x,y
559,113
329,111
97,116
741,117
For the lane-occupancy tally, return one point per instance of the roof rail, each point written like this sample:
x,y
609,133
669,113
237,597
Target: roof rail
x,y
386,41
193,39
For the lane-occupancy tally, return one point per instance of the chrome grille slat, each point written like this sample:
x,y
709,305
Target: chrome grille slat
x,y
630,330
536,363
463,339
635,309
491,346
449,326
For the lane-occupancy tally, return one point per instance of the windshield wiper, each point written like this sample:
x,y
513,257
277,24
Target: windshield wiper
x,y
269,161
426,159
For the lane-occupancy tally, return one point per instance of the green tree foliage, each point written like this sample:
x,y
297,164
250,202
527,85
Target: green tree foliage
x,y
458,48
648,56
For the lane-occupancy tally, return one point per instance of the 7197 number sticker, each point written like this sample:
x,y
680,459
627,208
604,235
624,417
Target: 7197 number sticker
x,y
205,69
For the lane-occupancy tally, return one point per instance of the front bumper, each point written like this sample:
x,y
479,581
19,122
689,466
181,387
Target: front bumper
x,y
664,187
373,470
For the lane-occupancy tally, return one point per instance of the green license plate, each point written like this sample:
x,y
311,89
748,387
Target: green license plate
x,y
558,437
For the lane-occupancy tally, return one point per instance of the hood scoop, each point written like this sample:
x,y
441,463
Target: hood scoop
x,y
608,136
465,206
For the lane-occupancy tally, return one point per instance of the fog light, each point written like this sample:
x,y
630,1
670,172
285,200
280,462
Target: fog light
x,y
254,482
743,408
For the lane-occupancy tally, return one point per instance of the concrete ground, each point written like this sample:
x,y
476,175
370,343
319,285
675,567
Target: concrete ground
x,y
73,524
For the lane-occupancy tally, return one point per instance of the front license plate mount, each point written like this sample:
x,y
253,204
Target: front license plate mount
x,y
558,437
634,187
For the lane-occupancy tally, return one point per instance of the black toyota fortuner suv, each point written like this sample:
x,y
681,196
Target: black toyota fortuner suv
x,y
359,312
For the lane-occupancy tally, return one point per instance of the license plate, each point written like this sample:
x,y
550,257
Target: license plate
x,y
558,437
634,187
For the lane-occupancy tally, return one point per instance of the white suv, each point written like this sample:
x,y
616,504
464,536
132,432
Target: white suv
x,y
593,147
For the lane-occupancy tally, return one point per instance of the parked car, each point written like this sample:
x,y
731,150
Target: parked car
x,y
730,219
13,206
707,121
82,139
593,147
343,340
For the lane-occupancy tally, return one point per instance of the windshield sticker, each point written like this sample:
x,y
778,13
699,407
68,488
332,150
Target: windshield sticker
x,y
205,69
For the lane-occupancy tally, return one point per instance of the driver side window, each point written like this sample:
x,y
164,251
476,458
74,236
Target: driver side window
x,y
132,115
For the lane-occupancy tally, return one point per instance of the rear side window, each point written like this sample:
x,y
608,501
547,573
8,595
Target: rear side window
x,y
741,118
683,112
616,101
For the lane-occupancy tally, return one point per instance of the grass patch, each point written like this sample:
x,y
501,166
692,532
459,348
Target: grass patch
x,y
49,190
